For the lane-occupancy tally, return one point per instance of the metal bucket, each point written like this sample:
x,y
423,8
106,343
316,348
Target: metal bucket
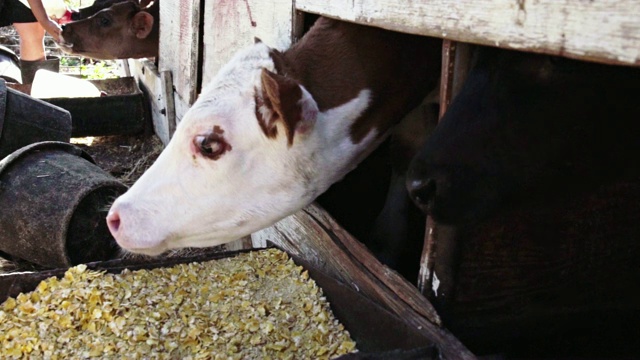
x,y
25,120
53,204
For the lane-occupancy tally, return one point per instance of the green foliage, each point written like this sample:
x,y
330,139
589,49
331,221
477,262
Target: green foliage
x,y
88,68
99,70
70,61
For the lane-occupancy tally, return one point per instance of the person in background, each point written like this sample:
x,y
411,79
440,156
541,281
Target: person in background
x,y
31,22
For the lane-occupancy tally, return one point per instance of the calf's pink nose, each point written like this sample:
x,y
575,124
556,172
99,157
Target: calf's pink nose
x,y
113,222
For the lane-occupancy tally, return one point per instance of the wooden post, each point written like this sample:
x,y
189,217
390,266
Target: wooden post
x,y
440,255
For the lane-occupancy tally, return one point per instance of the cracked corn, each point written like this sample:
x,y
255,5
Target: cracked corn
x,y
257,305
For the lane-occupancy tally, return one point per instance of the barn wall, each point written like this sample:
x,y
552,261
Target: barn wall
x,y
231,25
179,42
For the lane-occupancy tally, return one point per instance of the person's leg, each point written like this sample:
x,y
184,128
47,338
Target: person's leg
x,y
31,41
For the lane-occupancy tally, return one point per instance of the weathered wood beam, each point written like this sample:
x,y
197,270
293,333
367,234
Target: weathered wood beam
x,y
605,30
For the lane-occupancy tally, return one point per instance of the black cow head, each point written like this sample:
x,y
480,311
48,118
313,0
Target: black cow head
x,y
526,127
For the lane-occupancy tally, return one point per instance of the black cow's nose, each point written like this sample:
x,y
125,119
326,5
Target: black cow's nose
x,y
422,191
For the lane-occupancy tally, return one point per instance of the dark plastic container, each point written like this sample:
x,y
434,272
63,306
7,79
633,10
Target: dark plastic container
x,y
28,69
25,120
120,111
54,201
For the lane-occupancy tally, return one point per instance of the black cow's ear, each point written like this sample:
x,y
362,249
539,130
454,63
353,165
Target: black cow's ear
x,y
142,23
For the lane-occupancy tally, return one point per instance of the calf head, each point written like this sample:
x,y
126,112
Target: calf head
x,y
525,127
246,154
123,30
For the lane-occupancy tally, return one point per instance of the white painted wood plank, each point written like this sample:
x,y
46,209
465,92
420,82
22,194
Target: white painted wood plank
x,y
179,38
232,25
181,107
157,86
602,30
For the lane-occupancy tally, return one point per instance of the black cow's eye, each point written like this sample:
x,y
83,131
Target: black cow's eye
x,y
211,146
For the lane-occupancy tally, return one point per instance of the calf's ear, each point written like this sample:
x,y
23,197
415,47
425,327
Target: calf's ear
x,y
142,23
287,102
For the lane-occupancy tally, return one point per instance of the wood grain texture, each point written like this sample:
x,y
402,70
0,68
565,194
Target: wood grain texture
x,y
604,30
158,87
230,25
179,40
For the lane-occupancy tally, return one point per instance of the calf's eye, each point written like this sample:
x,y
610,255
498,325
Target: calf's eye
x,y
104,21
211,146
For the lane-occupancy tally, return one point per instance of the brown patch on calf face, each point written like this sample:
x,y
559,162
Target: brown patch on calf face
x,y
262,121
212,145
281,96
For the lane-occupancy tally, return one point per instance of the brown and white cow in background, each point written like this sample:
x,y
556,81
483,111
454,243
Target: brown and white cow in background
x,y
272,131
124,30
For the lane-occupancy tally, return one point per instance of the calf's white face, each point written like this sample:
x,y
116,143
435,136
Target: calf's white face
x,y
252,150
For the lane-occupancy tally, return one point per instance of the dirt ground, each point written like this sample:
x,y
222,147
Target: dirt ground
x,y
125,157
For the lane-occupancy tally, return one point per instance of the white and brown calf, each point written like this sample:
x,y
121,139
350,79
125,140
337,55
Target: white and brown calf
x,y
271,132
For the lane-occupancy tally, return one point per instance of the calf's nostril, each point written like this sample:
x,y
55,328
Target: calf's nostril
x,y
113,222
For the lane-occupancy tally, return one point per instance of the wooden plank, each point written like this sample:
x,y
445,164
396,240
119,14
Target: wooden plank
x,y
311,234
240,244
604,30
440,258
181,106
233,25
425,274
158,87
179,42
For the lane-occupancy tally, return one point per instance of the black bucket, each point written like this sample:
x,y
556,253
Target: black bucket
x,y
54,201
25,120
28,69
